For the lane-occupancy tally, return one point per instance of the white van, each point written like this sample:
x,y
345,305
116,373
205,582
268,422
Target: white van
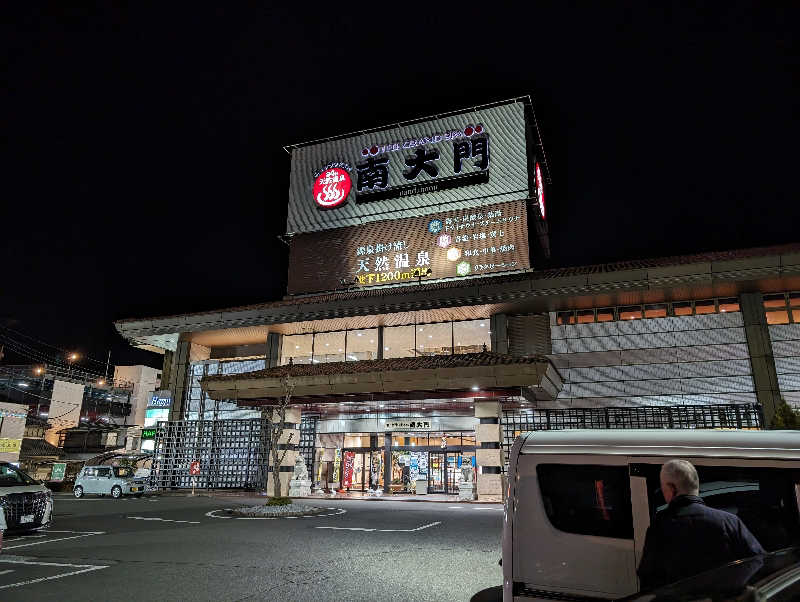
x,y
579,502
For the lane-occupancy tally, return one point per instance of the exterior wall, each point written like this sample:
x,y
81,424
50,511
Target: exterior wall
x,y
786,351
145,380
12,429
65,408
699,359
180,366
197,404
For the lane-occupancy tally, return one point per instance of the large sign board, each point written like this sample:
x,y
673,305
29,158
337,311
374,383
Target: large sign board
x,y
160,399
446,244
447,163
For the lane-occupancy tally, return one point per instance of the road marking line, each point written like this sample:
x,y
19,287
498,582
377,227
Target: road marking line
x,y
164,520
36,543
6,572
456,507
84,568
346,528
383,530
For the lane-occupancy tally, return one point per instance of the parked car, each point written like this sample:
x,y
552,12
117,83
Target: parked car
x,y
579,502
26,504
771,578
115,481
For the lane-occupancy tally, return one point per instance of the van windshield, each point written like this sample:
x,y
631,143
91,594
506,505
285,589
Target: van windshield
x,y
11,476
123,472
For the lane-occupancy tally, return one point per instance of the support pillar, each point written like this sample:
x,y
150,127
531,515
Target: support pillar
x,y
178,379
489,454
387,462
762,361
289,440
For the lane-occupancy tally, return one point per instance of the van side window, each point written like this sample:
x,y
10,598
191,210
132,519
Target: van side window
x,y
89,472
764,498
103,472
587,500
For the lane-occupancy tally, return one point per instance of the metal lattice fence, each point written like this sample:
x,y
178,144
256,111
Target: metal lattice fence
x,y
308,436
230,453
743,416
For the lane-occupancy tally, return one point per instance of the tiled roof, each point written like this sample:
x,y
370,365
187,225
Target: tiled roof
x,y
562,272
39,447
426,362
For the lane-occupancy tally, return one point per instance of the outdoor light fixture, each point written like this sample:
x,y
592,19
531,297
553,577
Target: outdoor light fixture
x,y
101,382
37,370
474,388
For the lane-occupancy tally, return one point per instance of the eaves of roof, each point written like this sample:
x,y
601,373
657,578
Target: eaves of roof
x,y
742,264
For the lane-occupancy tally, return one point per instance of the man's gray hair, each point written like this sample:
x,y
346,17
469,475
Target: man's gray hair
x,y
683,475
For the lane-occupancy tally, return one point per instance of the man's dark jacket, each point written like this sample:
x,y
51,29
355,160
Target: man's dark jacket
x,y
688,537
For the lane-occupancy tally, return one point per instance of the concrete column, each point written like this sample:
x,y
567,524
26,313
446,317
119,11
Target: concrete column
x,y
488,453
290,438
499,337
178,380
387,462
759,346
273,355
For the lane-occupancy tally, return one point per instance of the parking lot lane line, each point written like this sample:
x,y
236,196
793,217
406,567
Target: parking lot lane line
x,y
6,572
36,543
346,528
455,507
84,568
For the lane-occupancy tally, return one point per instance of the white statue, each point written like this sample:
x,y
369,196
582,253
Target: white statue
x,y
300,470
467,474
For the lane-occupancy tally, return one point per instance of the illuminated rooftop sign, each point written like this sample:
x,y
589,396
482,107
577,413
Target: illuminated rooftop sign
x,y
451,162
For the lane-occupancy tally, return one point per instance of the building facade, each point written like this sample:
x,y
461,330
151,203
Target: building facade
x,y
419,332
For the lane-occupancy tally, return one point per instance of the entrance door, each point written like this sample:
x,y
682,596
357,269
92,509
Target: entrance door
x,y
453,472
437,473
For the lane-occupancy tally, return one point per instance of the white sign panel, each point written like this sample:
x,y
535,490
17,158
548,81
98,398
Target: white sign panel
x,y
448,163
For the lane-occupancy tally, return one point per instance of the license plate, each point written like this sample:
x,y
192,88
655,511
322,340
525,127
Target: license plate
x,y
26,518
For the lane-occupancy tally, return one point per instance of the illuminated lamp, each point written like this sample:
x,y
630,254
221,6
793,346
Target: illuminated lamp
x,y
453,253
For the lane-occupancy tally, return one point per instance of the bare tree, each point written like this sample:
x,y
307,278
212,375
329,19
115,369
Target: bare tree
x,y
277,424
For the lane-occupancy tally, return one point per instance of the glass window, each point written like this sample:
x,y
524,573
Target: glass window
x,y
726,305
565,317
763,498
362,344
467,439
794,299
682,308
398,341
328,347
104,472
588,500
297,347
655,311
632,312
605,314
706,306
435,339
778,317
585,316
774,301
471,335
11,476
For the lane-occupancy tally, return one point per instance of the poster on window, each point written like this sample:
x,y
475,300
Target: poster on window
x,y
347,478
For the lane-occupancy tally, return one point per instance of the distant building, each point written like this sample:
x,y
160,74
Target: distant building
x,y
12,430
145,381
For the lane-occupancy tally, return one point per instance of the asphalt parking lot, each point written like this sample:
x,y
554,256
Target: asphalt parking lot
x,y
183,548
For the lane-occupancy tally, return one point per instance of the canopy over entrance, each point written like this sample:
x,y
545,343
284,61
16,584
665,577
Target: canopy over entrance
x,y
466,375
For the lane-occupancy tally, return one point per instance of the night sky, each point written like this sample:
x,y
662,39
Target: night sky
x,y
143,170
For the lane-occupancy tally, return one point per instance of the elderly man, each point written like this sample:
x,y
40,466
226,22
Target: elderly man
x,y
688,537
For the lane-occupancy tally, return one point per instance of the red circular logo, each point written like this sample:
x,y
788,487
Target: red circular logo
x,y
332,187
540,190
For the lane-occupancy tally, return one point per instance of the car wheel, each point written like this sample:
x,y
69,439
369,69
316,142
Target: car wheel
x,y
116,491
78,491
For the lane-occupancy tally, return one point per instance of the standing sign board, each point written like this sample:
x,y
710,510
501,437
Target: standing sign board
x,y
59,469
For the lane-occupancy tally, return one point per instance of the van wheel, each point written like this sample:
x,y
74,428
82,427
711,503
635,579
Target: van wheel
x,y
78,491
116,491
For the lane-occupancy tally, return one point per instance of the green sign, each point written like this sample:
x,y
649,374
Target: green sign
x,y
59,469
148,434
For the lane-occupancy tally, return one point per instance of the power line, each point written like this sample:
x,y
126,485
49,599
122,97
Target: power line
x,y
61,349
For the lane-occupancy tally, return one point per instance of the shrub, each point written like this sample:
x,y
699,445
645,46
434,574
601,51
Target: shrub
x,y
279,501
